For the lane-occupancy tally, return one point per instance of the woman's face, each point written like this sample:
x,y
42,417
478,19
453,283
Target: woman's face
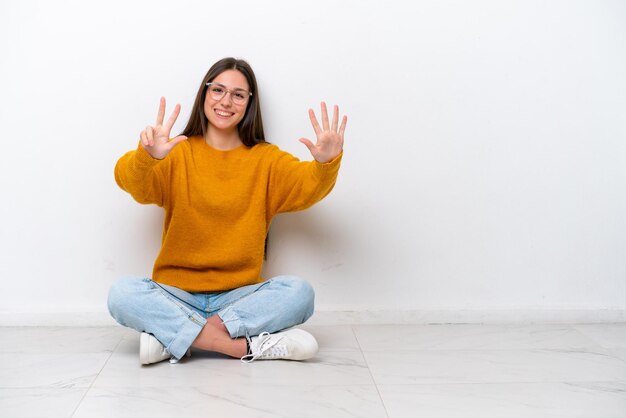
x,y
224,113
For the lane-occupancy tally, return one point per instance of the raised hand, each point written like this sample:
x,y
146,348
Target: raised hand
x,y
329,137
156,139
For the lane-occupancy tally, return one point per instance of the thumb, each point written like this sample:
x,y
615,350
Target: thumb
x,y
308,144
177,140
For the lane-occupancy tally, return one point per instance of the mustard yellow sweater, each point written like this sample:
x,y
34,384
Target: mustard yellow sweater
x,y
219,206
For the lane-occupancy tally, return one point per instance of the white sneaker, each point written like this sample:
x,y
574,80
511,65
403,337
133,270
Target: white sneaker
x,y
294,344
151,350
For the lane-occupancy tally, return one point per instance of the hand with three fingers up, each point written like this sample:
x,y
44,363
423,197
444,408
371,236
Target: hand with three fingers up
x,y
156,139
329,137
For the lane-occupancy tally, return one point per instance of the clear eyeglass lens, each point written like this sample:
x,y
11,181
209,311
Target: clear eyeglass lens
x,y
218,92
239,96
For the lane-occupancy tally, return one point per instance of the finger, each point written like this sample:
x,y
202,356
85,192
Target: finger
x,y
316,126
335,118
172,119
325,117
144,139
150,135
342,128
161,113
308,144
177,140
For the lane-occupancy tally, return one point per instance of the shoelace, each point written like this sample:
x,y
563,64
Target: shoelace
x,y
266,348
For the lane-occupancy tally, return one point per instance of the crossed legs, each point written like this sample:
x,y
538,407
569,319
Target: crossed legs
x,y
179,319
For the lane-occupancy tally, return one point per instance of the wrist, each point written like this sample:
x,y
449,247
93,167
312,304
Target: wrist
x,y
146,156
327,159
330,160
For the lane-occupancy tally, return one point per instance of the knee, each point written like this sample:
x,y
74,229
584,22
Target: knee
x,y
302,294
120,297
305,292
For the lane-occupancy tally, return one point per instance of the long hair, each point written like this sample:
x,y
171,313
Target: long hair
x,y
251,126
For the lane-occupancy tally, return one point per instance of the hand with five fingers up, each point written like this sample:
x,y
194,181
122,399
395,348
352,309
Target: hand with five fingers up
x,y
329,137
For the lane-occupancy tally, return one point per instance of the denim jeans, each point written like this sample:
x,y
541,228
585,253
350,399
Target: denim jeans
x,y
176,317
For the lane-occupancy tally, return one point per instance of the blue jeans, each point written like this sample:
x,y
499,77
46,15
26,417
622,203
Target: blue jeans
x,y
176,317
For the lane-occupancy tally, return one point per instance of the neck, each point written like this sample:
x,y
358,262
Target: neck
x,y
222,140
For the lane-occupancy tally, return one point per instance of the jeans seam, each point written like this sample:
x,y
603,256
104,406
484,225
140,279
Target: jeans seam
x,y
185,302
188,312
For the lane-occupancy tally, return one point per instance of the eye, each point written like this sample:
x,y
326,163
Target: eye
x,y
240,95
217,89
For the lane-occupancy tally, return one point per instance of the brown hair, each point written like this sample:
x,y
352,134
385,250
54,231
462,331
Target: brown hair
x,y
251,126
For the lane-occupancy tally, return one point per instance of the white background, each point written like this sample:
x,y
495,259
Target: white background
x,y
484,166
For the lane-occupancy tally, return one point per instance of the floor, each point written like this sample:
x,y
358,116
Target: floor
x,y
361,371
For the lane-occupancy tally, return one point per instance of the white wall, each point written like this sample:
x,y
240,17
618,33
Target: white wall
x,y
484,175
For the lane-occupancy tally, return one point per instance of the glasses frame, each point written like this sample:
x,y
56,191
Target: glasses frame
x,y
229,91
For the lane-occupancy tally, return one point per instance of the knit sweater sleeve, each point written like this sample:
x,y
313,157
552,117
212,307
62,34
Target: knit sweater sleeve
x,y
296,185
142,176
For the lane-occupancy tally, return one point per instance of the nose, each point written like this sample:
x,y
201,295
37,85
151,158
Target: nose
x,y
227,100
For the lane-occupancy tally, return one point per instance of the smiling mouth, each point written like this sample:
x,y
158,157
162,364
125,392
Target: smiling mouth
x,y
223,113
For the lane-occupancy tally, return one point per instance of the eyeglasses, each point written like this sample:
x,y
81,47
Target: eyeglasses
x,y
218,91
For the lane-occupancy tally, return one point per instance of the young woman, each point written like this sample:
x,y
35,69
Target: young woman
x,y
220,184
